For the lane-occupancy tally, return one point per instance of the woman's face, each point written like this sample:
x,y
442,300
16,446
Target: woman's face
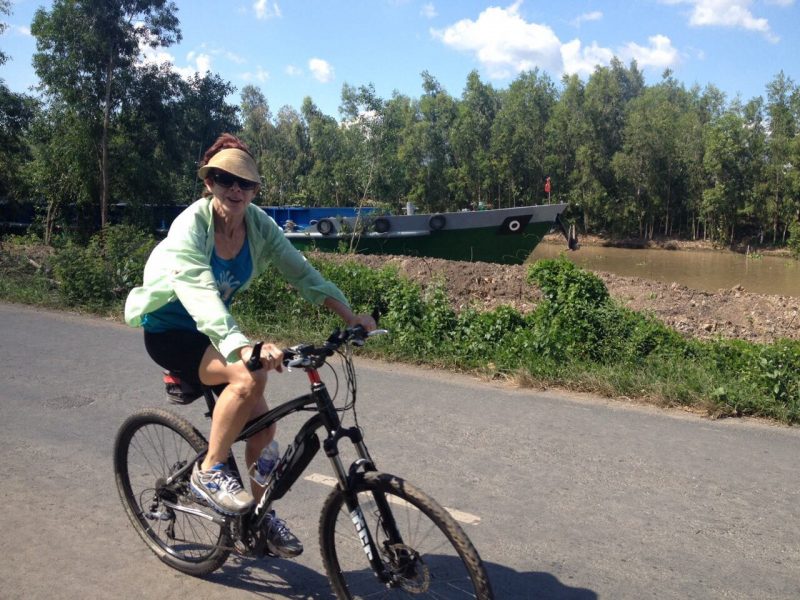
x,y
231,193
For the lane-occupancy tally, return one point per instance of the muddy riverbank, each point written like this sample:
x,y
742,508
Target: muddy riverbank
x,y
728,313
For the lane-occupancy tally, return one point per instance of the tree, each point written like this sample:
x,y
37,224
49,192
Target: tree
x,y
147,148
655,154
288,160
325,182
5,9
726,162
60,171
86,55
780,172
609,90
471,139
257,128
519,141
426,151
364,115
203,115
16,114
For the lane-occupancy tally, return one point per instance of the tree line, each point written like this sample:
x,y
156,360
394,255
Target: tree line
x,y
631,159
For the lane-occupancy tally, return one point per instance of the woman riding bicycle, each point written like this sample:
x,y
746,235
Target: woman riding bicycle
x,y
213,250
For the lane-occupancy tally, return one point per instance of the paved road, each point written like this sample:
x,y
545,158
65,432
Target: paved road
x,y
577,498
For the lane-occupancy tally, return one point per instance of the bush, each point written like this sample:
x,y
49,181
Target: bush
x,y
577,336
103,272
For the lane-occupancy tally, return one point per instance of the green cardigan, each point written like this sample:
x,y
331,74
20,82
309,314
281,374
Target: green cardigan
x,y
179,268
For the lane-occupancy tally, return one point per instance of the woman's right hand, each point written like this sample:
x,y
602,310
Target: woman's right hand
x,y
271,356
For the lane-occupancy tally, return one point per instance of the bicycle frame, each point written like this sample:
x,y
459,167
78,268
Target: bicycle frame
x,y
299,454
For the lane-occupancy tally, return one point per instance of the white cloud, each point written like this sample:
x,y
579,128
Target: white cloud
x,y
429,11
266,9
504,42
198,61
261,75
586,17
233,57
202,63
734,14
22,30
583,61
660,53
154,56
321,70
293,71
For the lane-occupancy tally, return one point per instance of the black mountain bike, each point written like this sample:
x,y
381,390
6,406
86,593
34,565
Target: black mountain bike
x,y
379,535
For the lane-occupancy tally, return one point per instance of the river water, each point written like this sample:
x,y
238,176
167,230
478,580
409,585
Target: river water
x,y
702,270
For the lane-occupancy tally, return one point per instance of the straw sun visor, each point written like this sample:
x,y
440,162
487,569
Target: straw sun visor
x,y
234,161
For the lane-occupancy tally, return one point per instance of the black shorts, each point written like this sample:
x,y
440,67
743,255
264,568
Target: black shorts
x,y
178,351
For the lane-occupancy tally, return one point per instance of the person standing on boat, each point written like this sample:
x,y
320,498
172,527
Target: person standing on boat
x,y
213,250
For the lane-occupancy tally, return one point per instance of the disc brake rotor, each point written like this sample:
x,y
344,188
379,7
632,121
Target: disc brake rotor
x,y
409,571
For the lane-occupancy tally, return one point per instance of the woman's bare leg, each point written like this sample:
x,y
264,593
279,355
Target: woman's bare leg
x,y
241,400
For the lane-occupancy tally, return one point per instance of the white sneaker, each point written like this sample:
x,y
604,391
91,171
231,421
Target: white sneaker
x,y
220,489
280,541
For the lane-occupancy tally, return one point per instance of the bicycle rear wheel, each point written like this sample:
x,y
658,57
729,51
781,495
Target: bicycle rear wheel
x,y
151,445
433,557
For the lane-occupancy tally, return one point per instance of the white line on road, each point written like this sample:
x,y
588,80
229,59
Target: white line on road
x,y
458,515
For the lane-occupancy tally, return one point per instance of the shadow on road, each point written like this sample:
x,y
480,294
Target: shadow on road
x,y
273,578
532,585
286,579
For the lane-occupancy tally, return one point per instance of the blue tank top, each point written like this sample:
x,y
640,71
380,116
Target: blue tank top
x,y
229,274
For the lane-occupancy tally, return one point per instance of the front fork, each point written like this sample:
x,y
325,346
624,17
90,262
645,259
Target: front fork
x,y
348,482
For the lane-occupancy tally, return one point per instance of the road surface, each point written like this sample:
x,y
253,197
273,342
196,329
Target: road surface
x,y
565,497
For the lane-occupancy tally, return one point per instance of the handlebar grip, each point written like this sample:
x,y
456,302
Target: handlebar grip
x,y
254,362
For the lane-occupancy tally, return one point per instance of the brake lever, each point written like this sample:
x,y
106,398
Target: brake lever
x,y
254,362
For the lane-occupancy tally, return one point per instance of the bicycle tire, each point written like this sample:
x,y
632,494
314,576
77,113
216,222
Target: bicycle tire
x,y
454,571
152,444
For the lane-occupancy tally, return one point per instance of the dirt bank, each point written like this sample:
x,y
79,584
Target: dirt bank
x,y
732,313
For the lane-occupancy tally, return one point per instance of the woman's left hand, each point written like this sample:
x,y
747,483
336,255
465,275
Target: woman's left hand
x,y
366,321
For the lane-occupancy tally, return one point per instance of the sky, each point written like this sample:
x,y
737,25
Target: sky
x,y
291,49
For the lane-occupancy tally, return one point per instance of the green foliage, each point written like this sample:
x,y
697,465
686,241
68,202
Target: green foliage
x,y
571,317
577,336
762,379
794,239
102,273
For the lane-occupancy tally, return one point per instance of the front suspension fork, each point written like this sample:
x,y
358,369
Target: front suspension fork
x,y
348,484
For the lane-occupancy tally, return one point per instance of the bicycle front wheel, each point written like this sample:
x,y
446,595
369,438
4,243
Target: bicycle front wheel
x,y
151,446
425,553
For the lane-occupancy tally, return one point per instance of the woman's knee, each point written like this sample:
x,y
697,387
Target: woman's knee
x,y
249,385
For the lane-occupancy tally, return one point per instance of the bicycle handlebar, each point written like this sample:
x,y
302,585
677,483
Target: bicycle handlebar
x,y
311,356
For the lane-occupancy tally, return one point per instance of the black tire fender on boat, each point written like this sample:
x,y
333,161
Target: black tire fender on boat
x,y
437,222
382,225
325,226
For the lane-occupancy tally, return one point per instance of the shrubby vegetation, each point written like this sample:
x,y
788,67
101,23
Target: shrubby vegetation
x,y
577,337
103,272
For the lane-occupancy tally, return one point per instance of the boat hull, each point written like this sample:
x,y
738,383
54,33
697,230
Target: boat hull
x,y
506,236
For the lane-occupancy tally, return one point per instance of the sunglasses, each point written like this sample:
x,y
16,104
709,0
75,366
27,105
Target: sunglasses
x,y
227,180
